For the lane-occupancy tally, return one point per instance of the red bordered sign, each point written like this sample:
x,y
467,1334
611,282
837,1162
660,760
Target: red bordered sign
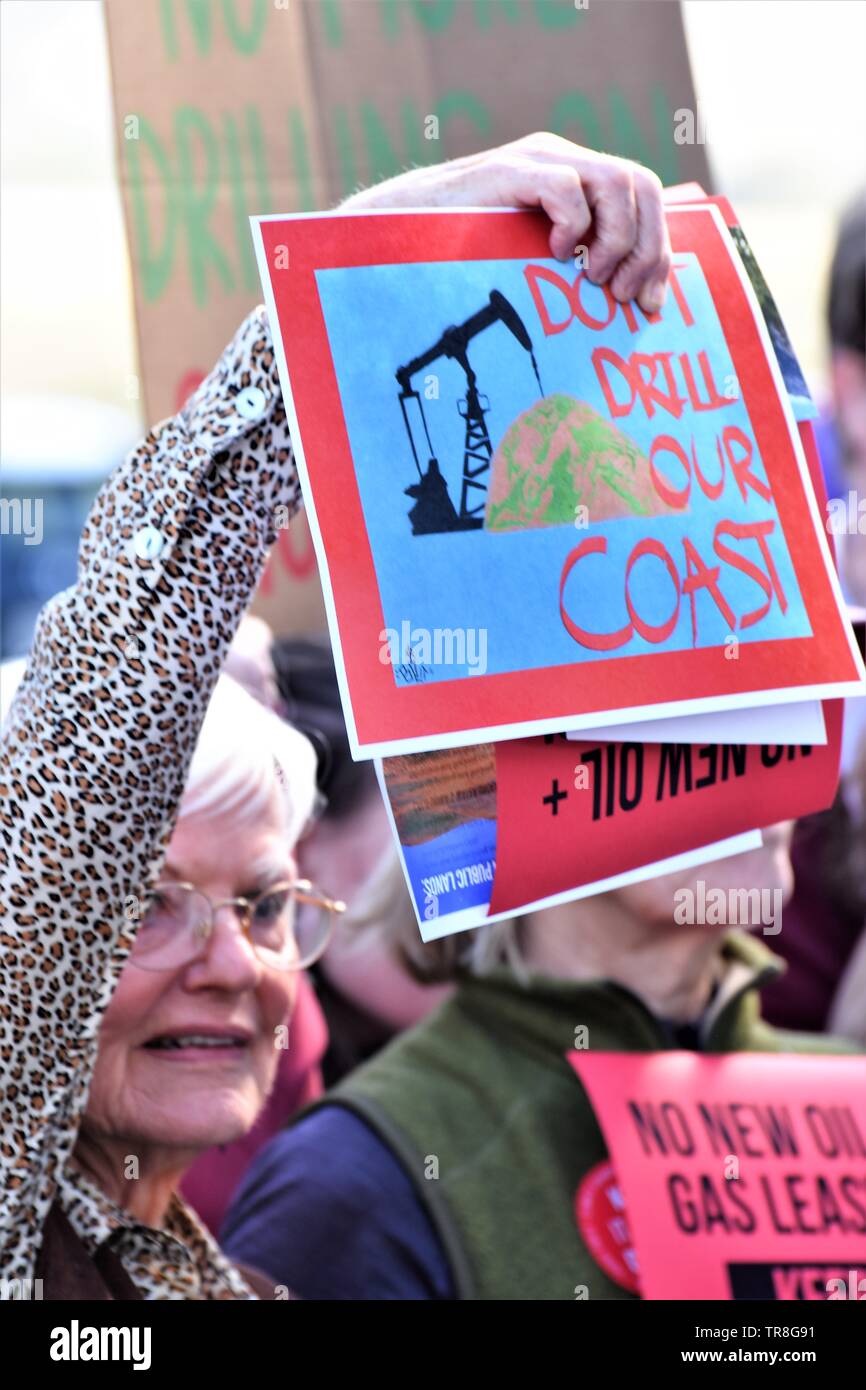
x,y
627,619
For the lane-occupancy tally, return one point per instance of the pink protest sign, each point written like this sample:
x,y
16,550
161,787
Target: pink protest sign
x,y
743,1176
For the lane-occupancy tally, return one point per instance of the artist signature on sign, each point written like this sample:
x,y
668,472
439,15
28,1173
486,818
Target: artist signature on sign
x,y
412,672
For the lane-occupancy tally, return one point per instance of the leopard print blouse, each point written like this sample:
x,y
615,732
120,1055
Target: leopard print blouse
x,y
94,758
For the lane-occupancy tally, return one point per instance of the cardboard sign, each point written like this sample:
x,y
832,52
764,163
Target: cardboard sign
x,y
496,829
229,109
743,1176
254,106
559,512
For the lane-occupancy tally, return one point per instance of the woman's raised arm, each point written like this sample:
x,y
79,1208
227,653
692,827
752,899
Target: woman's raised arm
x,y
98,742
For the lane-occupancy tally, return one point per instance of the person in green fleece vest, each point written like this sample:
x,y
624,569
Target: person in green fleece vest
x,y
478,1108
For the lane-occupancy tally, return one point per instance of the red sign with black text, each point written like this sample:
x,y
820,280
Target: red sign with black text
x,y
570,813
742,1176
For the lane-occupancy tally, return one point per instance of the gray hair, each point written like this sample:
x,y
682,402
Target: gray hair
x,y
384,907
243,752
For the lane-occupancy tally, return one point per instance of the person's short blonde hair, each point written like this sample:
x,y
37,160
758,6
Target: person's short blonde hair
x,y
384,907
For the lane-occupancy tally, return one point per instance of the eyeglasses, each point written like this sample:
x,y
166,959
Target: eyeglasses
x,y
288,925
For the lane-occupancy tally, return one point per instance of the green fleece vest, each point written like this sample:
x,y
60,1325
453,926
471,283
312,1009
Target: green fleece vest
x,y
483,1088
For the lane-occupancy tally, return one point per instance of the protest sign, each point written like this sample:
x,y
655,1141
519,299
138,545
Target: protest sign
x,y
211,104
568,809
442,810
225,108
743,1176
800,723
493,830
609,514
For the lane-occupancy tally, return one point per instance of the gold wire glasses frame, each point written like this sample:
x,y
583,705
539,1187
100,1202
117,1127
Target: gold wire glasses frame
x,y
288,925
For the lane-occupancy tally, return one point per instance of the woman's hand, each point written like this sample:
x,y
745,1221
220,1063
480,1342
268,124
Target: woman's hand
x,y
610,205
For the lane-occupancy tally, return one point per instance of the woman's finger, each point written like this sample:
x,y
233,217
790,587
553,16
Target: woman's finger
x,y
642,275
610,193
633,247
555,187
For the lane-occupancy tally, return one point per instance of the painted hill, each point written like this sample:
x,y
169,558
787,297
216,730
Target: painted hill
x,y
562,454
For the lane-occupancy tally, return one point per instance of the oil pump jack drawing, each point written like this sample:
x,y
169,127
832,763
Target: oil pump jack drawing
x,y
433,509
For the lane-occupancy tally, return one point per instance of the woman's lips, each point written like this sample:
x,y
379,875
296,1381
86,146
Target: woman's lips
x,y
199,1045
207,1056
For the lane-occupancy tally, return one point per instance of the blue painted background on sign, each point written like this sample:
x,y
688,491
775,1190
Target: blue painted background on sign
x,y
437,868
380,317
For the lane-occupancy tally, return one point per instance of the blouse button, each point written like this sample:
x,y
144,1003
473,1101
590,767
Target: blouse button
x,y
148,543
251,402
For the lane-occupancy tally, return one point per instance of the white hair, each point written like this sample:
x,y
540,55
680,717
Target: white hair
x,y
244,751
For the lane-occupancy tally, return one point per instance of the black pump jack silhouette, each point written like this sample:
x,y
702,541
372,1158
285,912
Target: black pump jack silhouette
x,y
433,510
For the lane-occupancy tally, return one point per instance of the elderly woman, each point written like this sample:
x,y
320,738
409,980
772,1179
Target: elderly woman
x,y
149,943
154,924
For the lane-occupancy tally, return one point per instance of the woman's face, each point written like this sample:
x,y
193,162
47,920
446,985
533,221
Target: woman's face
x,y
190,1097
767,869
